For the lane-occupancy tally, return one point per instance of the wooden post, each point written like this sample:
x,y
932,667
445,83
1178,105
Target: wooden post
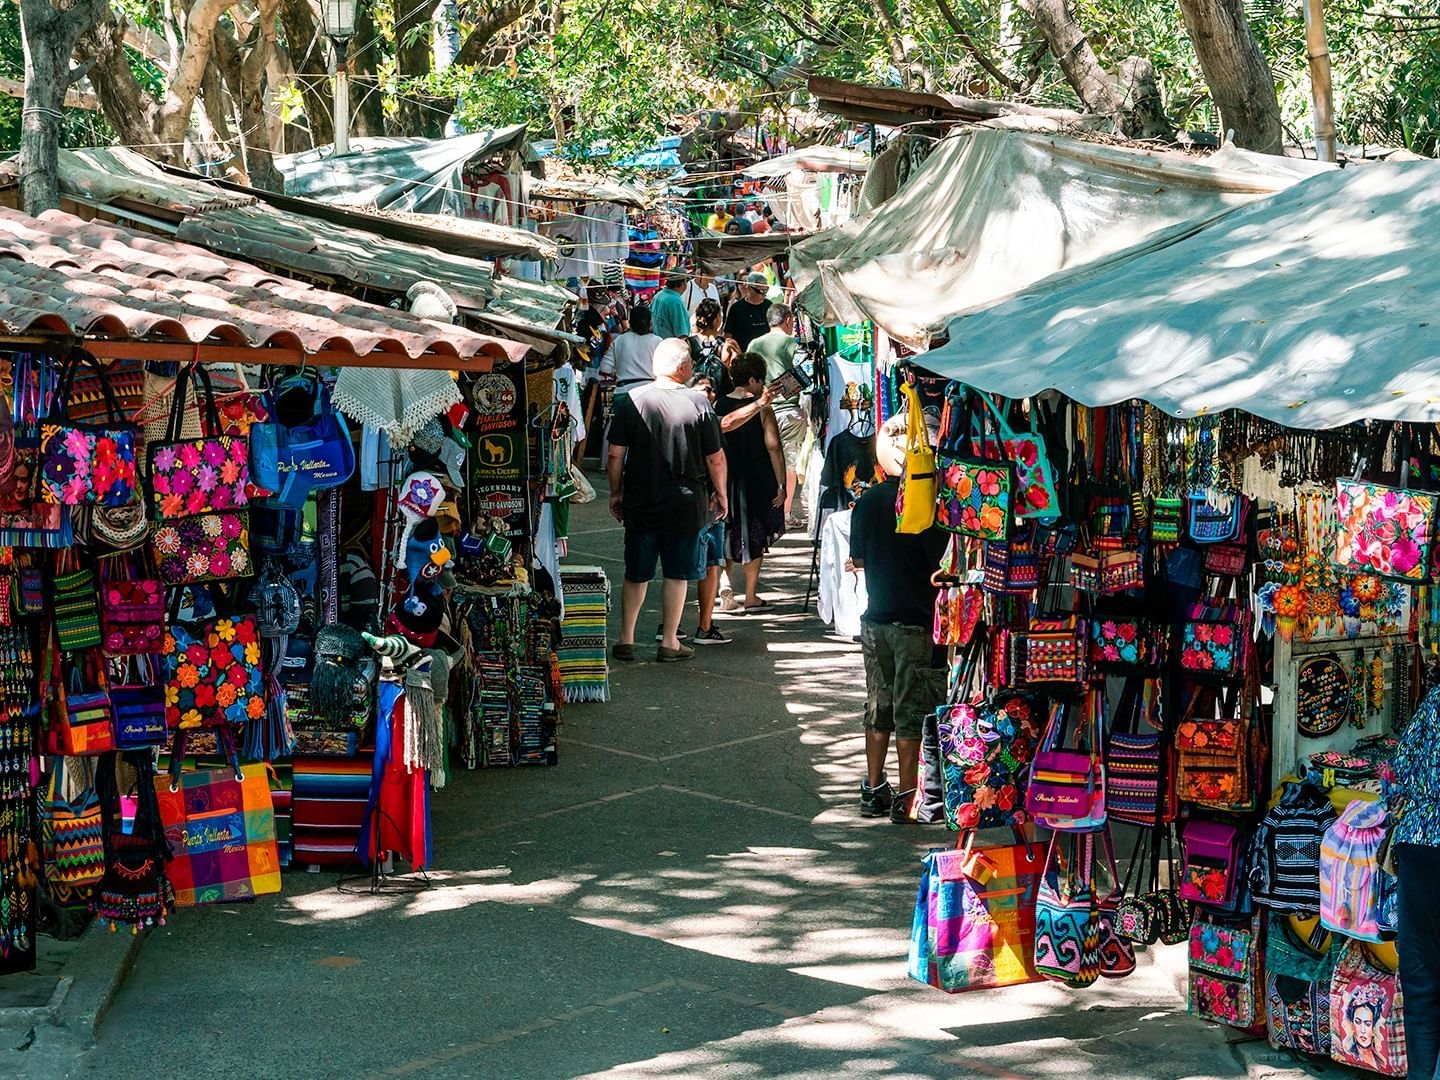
x,y
1318,52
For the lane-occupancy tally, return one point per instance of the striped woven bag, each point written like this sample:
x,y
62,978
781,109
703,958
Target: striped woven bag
x,y
72,840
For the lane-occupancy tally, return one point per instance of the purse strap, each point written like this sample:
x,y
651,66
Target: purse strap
x,y
227,745
78,359
197,374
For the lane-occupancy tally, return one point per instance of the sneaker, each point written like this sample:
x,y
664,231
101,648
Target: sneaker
x,y
713,636
679,634
900,808
876,801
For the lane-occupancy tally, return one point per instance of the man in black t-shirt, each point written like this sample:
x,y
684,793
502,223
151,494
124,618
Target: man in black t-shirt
x,y
903,680
748,316
665,461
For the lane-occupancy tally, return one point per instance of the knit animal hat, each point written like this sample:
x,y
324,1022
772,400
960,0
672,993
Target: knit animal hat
x,y
338,650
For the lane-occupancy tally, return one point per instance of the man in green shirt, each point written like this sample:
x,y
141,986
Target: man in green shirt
x,y
668,315
777,349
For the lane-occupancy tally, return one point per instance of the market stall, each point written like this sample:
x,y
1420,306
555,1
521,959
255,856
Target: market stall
x,y
1189,597
296,549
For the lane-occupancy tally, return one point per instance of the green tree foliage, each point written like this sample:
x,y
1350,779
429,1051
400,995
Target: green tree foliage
x,y
81,127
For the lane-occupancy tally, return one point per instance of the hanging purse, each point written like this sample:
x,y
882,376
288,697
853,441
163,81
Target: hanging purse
x,y
1388,531
1298,972
1215,640
304,445
137,694
1166,513
72,844
1014,567
220,828
1225,970
1075,938
1208,523
1134,763
82,462
26,520
213,676
1226,560
1067,786
132,609
915,501
1121,645
82,720
1213,758
1365,995
77,611
1213,871
1035,494
975,493
1057,652
134,891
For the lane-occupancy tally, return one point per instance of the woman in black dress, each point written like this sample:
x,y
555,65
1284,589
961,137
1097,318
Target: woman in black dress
x,y
756,464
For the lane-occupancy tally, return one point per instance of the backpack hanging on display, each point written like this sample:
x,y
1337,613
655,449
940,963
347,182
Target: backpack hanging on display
x,y
1367,1014
1067,786
1351,877
1298,971
1285,860
915,501
304,446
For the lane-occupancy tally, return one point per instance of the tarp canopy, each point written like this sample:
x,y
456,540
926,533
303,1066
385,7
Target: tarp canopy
x,y
811,159
721,255
420,175
1313,308
993,210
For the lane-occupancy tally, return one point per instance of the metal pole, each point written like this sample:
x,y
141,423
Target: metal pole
x,y
1318,52
342,99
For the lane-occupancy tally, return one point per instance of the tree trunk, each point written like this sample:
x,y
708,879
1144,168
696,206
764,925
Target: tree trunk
x,y
367,113
309,56
244,75
186,77
1236,72
1143,112
416,109
48,36
126,105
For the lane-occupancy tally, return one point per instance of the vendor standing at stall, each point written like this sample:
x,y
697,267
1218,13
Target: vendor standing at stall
x,y
904,676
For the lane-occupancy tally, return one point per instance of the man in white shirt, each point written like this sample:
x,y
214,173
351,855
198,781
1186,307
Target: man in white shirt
x,y
631,353
701,287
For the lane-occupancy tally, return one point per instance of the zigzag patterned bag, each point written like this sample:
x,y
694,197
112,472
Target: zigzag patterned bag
x,y
72,840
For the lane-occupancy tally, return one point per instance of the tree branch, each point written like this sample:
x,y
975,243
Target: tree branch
x,y
494,21
948,13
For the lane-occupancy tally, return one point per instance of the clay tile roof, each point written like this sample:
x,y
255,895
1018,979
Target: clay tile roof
x,y
61,274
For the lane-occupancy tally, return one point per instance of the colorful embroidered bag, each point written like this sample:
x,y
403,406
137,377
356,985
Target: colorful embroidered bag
x,y
220,828
72,842
915,501
1057,651
974,924
1035,494
213,676
1213,523
1075,939
1213,761
1134,763
77,613
134,891
1386,531
1351,886
986,747
1286,846
1212,871
132,609
1067,786
202,475
975,493
137,693
1215,641
1014,567
206,547
82,721
1225,970
1225,560
87,463
1166,512
1367,1014
1121,645
1298,972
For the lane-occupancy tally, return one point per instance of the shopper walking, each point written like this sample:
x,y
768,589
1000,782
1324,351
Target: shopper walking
x,y
745,321
668,315
712,549
631,353
701,287
757,476
1417,852
707,349
778,348
665,461
904,669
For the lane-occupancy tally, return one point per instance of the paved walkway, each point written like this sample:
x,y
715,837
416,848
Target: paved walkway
x,y
690,894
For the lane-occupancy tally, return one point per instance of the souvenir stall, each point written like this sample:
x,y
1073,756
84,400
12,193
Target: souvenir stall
x,y
254,562
1193,641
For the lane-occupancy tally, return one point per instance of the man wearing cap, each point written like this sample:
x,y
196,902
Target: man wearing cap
x,y
746,320
665,461
668,314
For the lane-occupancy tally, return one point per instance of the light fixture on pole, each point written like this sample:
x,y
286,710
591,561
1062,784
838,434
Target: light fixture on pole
x,y
340,28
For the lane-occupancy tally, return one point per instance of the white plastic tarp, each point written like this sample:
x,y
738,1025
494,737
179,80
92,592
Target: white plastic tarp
x,y
1314,308
992,211
811,159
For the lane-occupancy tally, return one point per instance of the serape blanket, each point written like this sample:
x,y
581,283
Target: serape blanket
x,y
584,673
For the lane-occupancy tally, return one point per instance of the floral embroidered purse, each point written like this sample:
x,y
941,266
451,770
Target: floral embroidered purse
x,y
1386,531
1225,971
210,474
213,676
974,494
1214,641
84,463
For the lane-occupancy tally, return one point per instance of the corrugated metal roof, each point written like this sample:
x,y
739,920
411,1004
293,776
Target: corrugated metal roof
x,y
61,274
